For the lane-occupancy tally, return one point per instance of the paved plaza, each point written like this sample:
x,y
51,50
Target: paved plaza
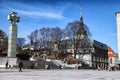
x,y
28,74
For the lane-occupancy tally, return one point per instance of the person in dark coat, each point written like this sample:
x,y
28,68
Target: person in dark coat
x,y
20,65
6,65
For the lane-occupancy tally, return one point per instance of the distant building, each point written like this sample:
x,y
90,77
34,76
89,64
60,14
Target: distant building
x,y
91,52
99,55
111,57
96,56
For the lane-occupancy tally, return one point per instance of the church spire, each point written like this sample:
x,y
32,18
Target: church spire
x,y
80,11
81,17
81,28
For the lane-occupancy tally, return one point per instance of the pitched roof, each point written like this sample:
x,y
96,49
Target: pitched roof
x,y
111,52
111,55
110,49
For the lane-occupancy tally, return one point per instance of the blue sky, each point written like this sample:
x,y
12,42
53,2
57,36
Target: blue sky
x,y
98,15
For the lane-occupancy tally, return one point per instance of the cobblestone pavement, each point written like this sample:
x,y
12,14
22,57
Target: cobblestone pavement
x,y
28,74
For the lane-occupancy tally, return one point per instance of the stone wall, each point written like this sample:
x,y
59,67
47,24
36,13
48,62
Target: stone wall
x,y
39,65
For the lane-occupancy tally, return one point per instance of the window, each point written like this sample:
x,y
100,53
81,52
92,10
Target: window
x,y
110,60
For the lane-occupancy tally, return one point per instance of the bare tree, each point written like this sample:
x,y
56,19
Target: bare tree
x,y
34,38
20,43
73,30
31,37
57,35
45,33
73,27
45,36
2,34
3,41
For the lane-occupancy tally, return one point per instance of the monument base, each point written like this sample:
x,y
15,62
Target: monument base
x,y
2,62
12,62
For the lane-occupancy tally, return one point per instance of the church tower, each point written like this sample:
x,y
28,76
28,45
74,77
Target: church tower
x,y
81,34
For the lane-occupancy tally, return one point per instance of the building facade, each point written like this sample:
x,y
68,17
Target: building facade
x,y
95,57
111,57
99,57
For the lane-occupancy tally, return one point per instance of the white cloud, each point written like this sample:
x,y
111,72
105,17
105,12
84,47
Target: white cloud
x,y
40,14
35,11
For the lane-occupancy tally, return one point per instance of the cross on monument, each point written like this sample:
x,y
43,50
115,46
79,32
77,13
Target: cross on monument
x,y
12,41
13,18
12,38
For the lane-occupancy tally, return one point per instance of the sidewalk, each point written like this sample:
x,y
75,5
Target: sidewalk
x,y
71,74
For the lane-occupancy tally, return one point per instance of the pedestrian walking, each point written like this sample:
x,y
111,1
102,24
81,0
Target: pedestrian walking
x,y
6,65
20,65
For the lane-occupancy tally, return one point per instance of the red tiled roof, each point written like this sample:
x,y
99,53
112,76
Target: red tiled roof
x,y
111,52
111,55
110,49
